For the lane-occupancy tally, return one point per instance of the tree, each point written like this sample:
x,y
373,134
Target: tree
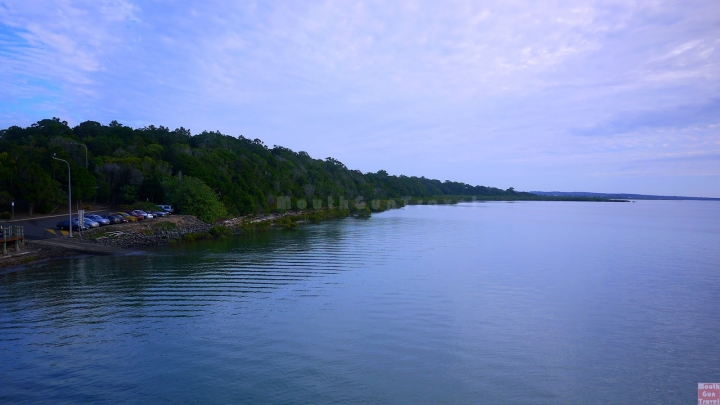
x,y
84,182
191,195
36,187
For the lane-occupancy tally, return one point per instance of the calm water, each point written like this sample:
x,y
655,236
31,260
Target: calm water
x,y
497,303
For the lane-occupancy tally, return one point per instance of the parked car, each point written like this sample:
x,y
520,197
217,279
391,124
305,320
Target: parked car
x,y
90,223
143,213
126,216
114,219
160,213
139,217
97,218
121,218
66,225
167,208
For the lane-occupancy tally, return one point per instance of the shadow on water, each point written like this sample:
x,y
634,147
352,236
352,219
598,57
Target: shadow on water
x,y
179,280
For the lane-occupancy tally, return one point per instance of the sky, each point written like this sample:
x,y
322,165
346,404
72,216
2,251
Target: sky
x,y
603,96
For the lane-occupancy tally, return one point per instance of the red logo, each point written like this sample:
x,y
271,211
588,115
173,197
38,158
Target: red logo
x,y
708,393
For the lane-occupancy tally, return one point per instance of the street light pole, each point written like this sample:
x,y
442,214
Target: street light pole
x,y
12,204
86,151
69,196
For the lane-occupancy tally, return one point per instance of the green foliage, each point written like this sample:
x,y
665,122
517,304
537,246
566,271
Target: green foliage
x,y
220,230
364,212
5,215
384,205
37,187
254,227
192,196
434,200
83,183
45,207
129,193
246,176
6,198
287,222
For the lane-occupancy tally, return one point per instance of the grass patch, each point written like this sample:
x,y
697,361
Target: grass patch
x,y
166,226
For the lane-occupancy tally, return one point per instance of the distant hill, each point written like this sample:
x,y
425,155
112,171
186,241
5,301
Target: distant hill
x,y
618,196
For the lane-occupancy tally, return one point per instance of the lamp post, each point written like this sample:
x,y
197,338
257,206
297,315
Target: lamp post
x,y
12,204
86,151
69,194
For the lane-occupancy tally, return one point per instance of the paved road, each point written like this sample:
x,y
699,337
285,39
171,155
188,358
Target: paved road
x,y
43,228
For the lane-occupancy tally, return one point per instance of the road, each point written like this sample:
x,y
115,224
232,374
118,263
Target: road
x,y
44,227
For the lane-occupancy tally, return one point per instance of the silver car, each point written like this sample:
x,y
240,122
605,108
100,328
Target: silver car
x,y
90,223
97,218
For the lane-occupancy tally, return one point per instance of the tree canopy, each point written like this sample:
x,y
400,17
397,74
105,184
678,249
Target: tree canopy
x,y
137,164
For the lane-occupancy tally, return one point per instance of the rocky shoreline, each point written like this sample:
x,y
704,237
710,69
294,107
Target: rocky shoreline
x,y
147,233
170,230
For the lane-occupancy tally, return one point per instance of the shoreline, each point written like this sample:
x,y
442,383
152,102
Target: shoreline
x,y
177,229
171,230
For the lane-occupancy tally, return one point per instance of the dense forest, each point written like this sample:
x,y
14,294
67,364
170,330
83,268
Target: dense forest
x,y
125,165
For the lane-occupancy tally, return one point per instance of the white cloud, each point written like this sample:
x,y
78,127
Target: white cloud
x,y
462,80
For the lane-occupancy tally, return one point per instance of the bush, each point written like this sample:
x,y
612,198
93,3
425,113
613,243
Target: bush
x,y
287,222
45,207
192,196
220,230
5,215
261,226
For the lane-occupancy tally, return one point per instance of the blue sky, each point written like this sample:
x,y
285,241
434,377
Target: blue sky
x,y
571,96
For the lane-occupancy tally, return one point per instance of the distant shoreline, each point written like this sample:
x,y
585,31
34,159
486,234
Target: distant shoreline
x,y
623,196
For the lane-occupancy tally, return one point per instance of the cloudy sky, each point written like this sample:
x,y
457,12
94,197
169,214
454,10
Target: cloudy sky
x,y
571,96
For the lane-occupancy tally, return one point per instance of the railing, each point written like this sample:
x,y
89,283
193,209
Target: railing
x,y
12,233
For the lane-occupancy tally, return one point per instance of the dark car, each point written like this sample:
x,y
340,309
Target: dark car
x,y
65,225
139,217
115,219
